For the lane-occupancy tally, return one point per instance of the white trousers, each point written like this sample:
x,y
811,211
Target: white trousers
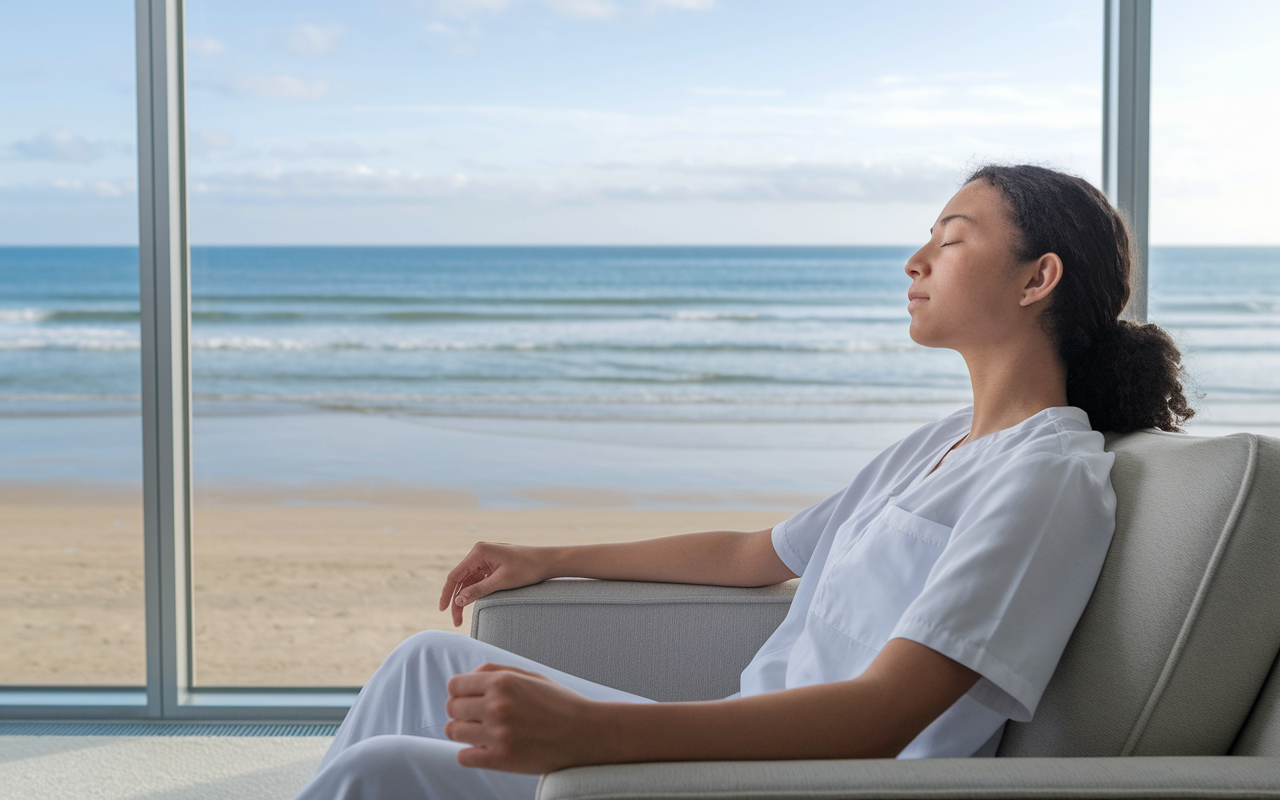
x,y
392,745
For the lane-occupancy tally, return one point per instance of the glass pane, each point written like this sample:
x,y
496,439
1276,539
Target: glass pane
x,y
563,272
71,589
1215,263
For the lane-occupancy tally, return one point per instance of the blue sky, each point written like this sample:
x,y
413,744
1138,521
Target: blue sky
x,y
622,121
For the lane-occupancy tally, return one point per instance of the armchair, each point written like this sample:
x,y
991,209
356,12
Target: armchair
x,y
1169,686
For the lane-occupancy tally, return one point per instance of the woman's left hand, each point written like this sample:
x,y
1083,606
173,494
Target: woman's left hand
x,y
520,721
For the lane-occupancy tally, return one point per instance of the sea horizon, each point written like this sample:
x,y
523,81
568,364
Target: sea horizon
x,y
750,369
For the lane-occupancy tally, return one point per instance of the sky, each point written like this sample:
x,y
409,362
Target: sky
x,y
622,121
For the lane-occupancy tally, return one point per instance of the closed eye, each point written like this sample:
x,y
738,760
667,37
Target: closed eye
x,y
948,244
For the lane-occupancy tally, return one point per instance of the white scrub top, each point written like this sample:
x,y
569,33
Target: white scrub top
x,y
989,560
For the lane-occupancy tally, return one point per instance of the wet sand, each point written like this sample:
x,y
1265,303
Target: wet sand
x,y
310,586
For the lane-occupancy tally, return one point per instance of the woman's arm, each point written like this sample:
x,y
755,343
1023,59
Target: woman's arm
x,y
521,722
718,558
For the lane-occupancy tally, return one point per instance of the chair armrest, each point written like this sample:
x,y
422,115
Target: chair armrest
x,y
1225,777
664,641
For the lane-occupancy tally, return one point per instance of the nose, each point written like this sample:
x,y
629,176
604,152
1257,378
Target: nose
x,y
917,265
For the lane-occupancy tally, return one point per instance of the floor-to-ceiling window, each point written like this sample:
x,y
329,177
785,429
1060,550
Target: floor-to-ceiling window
x,y
1215,263
71,553
539,272
562,272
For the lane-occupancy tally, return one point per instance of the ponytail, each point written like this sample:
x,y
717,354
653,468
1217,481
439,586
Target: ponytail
x,y
1129,379
1124,375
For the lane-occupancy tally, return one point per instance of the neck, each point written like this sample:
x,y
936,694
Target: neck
x,y
1014,381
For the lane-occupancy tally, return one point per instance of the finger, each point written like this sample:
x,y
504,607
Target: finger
x,y
455,608
500,759
446,593
465,731
454,579
460,600
466,709
469,684
477,758
506,668
452,589
477,586
451,582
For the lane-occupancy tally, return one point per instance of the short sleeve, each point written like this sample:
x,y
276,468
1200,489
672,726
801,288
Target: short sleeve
x,y
1019,568
795,538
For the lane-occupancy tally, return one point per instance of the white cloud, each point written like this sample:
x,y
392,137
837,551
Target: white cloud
x,y
578,9
688,5
583,9
314,40
57,144
69,189
207,142
727,91
467,8
440,29
205,45
359,183
780,182
790,181
340,149
972,101
287,87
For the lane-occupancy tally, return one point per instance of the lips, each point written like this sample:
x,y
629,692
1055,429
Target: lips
x,y
915,300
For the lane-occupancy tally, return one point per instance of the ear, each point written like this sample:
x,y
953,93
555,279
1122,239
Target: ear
x,y
1041,278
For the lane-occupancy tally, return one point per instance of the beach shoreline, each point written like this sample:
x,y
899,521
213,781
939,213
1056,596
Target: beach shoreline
x,y
299,585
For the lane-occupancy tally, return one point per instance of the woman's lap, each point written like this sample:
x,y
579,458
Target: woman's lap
x,y
387,767
392,742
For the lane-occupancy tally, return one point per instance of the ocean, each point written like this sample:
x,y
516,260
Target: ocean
x,y
659,347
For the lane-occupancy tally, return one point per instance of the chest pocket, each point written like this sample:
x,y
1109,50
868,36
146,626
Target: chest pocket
x,y
867,586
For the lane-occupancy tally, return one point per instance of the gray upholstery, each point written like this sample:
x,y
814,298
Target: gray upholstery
x,y
662,641
938,779
1170,658
1184,624
1261,734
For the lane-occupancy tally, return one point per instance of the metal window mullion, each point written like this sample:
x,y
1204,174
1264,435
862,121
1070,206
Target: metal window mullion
x,y
1126,124
166,381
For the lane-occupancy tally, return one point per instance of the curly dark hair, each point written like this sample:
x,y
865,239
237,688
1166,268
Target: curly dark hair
x,y
1125,375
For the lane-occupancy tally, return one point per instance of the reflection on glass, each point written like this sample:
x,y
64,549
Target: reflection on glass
x,y
365,413
71,593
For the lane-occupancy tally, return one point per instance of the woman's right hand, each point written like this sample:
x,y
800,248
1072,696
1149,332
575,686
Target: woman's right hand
x,y
490,568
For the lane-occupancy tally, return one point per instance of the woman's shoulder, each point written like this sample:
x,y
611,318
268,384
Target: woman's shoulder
x,y
1057,438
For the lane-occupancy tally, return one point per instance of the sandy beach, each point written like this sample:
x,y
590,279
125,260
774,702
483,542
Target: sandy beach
x,y
293,586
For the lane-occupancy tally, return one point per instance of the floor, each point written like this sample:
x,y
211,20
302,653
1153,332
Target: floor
x,y
171,764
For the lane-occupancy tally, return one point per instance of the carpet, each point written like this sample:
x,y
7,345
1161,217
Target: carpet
x,y
157,767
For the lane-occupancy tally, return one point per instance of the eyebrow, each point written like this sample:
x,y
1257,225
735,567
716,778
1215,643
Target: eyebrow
x,y
950,217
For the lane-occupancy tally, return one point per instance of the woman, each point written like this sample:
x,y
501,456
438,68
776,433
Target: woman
x,y
937,591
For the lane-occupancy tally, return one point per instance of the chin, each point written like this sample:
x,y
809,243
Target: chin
x,y
918,334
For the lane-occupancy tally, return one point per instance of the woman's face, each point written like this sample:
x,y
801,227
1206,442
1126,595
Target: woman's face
x,y
966,285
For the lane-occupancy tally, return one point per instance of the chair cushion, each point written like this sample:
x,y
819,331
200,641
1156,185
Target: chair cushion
x,y
1184,624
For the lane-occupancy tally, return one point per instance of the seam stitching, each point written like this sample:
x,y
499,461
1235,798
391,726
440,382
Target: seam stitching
x,y
1193,613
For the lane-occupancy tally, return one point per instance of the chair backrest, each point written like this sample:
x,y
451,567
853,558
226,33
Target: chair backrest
x,y
1184,625
1261,733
